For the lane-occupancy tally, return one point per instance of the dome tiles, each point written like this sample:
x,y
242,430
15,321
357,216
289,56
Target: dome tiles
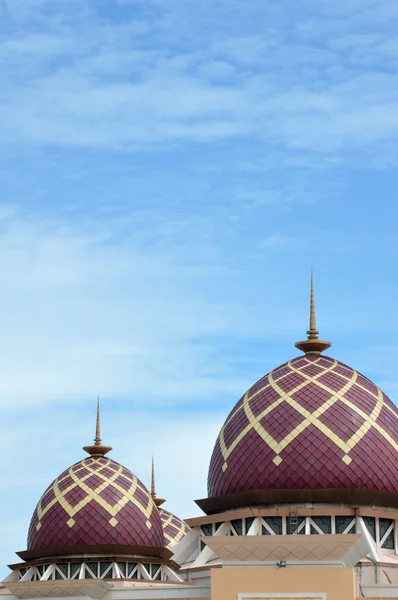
x,y
95,502
174,529
313,423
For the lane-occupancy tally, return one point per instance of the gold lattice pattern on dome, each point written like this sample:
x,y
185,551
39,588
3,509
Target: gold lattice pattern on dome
x,y
310,418
93,494
179,530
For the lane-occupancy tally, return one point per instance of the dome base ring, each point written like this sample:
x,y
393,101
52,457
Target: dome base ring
x,y
351,496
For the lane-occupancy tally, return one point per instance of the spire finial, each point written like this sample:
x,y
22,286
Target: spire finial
x,y
97,439
157,501
153,491
312,345
97,448
312,332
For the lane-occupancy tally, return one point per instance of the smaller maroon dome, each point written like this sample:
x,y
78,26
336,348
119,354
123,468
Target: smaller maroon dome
x,y
95,502
174,529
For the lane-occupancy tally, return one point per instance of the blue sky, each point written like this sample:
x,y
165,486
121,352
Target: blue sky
x,y
170,171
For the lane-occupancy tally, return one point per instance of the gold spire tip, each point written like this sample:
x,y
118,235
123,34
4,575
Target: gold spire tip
x,y
157,501
97,439
97,448
312,332
312,345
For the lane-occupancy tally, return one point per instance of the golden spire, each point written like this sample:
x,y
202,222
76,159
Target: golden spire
x,y
157,501
312,332
97,439
153,491
312,345
97,448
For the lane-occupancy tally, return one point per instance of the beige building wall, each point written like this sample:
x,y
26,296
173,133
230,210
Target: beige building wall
x,y
287,583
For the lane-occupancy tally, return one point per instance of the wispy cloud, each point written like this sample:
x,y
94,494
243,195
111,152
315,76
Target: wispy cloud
x,y
276,240
169,173
61,281
297,89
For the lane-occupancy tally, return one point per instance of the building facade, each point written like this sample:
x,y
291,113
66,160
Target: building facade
x,y
302,503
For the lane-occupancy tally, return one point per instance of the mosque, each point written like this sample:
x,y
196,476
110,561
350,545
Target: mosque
x,y
302,503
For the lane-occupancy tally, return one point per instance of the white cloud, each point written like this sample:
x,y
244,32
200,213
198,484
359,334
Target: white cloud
x,y
138,317
72,335
158,283
98,85
276,240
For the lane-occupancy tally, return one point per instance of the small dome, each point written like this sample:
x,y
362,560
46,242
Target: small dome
x,y
311,424
95,502
174,529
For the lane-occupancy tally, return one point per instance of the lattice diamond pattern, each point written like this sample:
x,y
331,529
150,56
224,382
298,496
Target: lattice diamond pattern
x,y
312,423
308,552
96,501
174,528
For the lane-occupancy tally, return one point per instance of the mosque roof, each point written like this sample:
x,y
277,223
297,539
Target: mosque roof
x,y
313,429
174,528
95,502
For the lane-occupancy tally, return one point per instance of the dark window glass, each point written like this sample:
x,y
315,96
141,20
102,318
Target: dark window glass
x,y
218,525
202,545
389,541
122,568
147,567
104,566
130,569
237,524
293,525
324,524
63,567
342,523
275,523
302,525
154,570
370,526
93,566
249,523
74,570
384,524
207,529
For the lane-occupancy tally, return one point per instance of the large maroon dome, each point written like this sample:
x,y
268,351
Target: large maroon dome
x,y
95,502
311,424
